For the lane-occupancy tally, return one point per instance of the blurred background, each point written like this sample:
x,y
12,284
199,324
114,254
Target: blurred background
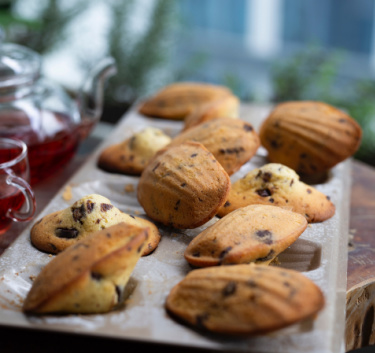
x,y
266,51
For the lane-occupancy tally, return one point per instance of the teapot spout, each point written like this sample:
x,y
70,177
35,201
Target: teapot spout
x,y
91,95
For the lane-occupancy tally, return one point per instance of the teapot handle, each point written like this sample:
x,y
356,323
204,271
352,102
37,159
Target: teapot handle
x,y
91,94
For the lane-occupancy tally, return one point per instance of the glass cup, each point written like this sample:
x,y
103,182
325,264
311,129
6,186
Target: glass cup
x,y
15,191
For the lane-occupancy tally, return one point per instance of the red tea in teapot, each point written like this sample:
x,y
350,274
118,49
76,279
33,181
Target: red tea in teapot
x,y
51,144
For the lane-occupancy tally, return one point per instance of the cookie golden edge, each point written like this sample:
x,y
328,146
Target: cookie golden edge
x,y
82,279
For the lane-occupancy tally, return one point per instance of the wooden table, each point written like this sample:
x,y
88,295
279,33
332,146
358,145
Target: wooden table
x,y
361,273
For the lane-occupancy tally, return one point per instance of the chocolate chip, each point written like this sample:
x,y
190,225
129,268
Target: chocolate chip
x,y
104,207
275,144
194,155
224,252
263,192
132,216
303,155
342,120
266,177
328,198
90,206
183,185
196,254
265,236
251,283
269,256
52,246
78,213
108,235
98,221
308,191
227,204
157,165
247,127
67,233
229,289
141,246
96,276
291,182
200,319
176,206
234,150
271,200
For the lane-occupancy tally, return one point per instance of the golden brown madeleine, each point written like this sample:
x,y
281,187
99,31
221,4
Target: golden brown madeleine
x,y
90,276
132,155
244,299
255,233
178,100
57,231
232,141
278,185
183,186
223,107
309,137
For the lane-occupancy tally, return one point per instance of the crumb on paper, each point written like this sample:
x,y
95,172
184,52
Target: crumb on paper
x,y
50,255
129,188
137,212
309,225
67,194
32,277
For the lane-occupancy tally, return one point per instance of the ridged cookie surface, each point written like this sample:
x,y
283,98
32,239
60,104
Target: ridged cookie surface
x,y
309,137
56,231
183,186
244,299
255,233
233,142
90,276
132,155
275,184
224,107
178,100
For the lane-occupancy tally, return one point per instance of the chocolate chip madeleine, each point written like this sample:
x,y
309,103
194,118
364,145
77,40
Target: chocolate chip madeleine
x,y
132,155
233,142
178,100
244,299
61,229
183,186
309,137
90,276
278,185
255,233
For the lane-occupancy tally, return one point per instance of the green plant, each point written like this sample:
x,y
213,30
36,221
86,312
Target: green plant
x,y
44,25
138,56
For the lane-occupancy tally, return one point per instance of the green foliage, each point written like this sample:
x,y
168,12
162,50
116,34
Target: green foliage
x,y
46,29
138,56
312,74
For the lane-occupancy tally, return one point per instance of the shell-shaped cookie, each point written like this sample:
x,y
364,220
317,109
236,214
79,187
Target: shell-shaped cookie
x,y
309,137
58,230
183,186
276,184
132,155
233,142
224,107
244,299
178,100
90,276
255,233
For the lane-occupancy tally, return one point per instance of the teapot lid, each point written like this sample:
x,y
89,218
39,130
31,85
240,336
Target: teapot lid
x,y
18,65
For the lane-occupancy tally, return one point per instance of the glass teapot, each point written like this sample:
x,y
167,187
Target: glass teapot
x,y
41,113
